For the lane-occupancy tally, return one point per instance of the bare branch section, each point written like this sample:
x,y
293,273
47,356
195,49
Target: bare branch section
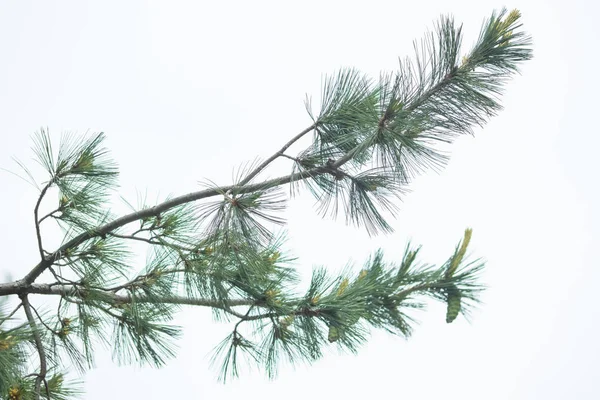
x,y
112,298
38,221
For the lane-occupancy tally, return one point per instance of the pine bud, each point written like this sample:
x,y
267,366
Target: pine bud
x,y
97,247
274,257
287,321
15,393
55,383
343,286
63,202
85,162
315,300
7,343
512,17
271,296
505,39
64,332
456,260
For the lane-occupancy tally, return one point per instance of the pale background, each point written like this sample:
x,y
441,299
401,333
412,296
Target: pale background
x,y
189,90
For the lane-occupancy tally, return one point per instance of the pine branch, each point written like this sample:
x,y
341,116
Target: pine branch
x,y
141,278
108,296
222,253
156,211
38,221
133,237
41,376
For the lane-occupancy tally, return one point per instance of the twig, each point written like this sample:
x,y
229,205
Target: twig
x,y
265,163
37,221
60,279
141,277
106,310
160,242
131,237
50,214
41,320
290,158
40,348
242,319
142,230
11,314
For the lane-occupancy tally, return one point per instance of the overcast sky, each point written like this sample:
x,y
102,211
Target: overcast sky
x,y
189,90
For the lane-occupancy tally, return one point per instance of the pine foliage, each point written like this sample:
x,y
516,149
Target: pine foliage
x,y
216,247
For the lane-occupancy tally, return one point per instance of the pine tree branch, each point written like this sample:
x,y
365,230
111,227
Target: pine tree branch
x,y
109,295
142,277
188,198
38,221
160,242
160,208
133,237
442,101
77,291
41,377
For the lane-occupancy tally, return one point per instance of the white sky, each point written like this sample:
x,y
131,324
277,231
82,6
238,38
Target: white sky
x,y
189,90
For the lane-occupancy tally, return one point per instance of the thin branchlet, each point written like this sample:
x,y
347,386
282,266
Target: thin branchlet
x,y
40,347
